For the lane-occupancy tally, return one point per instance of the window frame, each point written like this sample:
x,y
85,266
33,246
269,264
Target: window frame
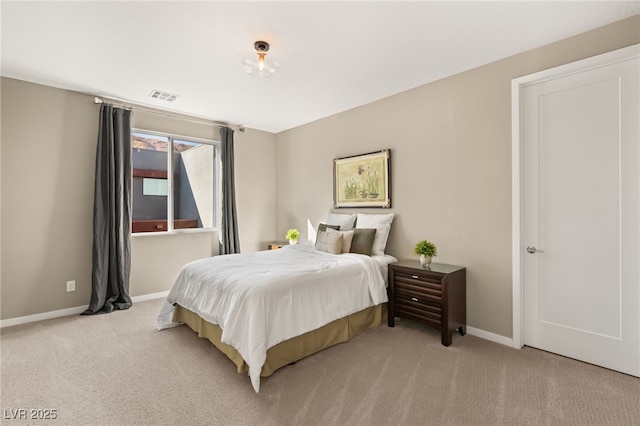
x,y
217,172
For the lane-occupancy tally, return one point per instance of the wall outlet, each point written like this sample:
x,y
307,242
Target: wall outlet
x,y
71,286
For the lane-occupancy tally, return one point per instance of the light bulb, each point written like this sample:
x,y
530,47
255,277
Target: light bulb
x,y
263,67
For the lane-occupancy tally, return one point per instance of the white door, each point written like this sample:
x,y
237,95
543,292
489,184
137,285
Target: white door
x,y
581,215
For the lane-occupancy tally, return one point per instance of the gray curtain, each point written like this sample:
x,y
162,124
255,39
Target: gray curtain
x,y
229,242
112,213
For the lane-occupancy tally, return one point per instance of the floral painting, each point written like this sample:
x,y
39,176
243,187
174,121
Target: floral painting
x,y
362,180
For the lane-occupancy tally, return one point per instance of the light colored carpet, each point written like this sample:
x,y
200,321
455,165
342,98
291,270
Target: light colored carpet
x,y
117,369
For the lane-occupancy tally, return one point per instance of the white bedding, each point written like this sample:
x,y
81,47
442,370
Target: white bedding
x,y
261,299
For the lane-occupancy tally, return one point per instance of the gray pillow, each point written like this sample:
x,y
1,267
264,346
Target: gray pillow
x,y
322,227
363,240
331,242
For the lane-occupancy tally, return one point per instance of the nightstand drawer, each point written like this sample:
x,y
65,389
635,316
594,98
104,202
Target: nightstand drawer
x,y
416,303
418,278
417,293
433,318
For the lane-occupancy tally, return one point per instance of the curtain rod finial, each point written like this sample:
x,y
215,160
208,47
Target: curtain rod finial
x,y
97,100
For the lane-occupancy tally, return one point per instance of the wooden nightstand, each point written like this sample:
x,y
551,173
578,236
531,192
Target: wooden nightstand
x,y
436,296
275,246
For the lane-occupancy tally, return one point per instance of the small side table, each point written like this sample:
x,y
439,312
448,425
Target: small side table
x,y
277,245
435,296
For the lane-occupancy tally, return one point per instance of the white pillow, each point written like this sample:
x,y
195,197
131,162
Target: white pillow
x,y
331,242
382,224
347,237
345,221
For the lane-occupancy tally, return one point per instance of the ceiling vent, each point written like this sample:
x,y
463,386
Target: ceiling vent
x,y
163,96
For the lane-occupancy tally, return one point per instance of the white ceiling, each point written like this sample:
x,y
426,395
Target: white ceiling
x,y
334,55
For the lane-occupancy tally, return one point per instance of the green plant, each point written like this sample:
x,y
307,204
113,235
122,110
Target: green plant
x,y
292,234
427,248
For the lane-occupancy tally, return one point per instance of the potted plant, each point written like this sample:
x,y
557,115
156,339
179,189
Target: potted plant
x,y
426,250
292,235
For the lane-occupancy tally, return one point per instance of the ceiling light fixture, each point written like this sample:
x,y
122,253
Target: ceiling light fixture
x,y
262,67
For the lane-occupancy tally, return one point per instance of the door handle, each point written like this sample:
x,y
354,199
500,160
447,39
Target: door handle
x,y
532,250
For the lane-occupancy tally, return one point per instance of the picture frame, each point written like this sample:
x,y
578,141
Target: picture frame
x,y
362,180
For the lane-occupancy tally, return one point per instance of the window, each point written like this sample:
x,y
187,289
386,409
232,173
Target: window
x,y
176,191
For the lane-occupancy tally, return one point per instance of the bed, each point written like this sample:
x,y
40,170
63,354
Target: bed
x,y
267,309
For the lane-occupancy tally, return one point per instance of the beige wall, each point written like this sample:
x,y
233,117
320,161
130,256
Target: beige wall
x,y
48,151
47,163
157,259
451,166
255,159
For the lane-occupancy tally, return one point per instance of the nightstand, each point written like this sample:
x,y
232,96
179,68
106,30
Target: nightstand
x,y
435,296
275,246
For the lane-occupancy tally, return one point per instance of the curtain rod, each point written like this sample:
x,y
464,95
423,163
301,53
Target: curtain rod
x,y
98,100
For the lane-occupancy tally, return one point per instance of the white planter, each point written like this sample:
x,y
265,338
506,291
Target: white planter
x,y
425,261
293,242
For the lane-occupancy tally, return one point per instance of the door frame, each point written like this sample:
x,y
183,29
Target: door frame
x,y
517,90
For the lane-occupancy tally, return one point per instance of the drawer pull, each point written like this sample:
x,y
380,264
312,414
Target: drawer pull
x,y
414,299
415,277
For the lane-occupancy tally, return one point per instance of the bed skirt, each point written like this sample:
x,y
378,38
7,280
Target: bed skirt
x,y
338,331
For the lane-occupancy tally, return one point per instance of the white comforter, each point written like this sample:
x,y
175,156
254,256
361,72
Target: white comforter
x,y
261,299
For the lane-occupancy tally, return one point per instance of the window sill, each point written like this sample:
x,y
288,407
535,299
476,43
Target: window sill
x,y
174,232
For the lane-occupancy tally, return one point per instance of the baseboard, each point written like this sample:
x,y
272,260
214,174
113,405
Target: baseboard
x,y
507,341
150,296
43,316
70,311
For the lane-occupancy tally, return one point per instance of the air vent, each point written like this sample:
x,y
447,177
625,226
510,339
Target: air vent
x,y
163,96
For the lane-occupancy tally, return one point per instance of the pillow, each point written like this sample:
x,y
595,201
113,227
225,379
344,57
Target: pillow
x,y
382,224
347,237
331,242
362,241
345,221
323,227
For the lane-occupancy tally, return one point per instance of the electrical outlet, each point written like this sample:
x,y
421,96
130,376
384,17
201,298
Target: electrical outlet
x,y
71,286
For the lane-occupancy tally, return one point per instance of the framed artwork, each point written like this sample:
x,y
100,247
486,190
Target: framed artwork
x,y
362,180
